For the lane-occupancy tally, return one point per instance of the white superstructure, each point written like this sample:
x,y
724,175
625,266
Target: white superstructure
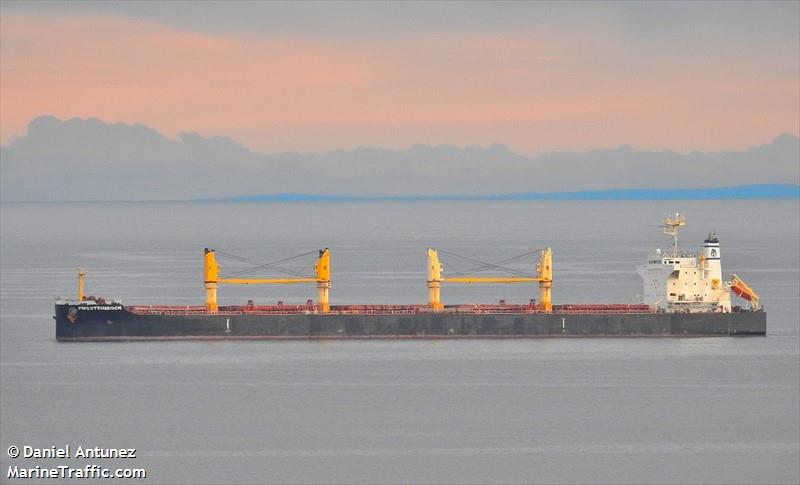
x,y
683,282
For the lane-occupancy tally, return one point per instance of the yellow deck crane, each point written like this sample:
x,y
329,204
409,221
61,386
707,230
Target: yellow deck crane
x,y
322,277
81,284
544,270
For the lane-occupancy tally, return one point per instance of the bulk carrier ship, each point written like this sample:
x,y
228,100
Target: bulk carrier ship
x,y
684,295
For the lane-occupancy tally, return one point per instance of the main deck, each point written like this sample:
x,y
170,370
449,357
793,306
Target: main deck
x,y
310,308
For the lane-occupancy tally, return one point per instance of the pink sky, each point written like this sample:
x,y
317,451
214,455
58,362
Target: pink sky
x,y
533,91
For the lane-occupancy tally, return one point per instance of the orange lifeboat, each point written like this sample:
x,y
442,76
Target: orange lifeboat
x,y
741,289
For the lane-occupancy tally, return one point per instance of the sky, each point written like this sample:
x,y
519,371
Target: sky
x,y
314,77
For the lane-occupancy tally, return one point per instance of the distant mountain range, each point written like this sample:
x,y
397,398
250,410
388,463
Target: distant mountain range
x,y
764,191
88,159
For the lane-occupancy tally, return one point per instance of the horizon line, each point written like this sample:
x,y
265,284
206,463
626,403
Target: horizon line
x,y
739,192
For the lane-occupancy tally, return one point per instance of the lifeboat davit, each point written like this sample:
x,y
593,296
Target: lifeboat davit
x,y
741,289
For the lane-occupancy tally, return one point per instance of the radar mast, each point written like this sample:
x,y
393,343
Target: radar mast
x,y
671,229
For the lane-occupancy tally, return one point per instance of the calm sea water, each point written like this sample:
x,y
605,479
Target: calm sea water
x,y
716,410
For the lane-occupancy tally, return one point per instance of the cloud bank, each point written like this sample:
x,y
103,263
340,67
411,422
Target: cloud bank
x,y
88,159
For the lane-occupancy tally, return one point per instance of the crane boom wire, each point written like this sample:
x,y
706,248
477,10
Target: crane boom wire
x,y
270,265
278,269
483,266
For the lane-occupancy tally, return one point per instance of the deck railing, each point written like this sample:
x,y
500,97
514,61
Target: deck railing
x,y
383,309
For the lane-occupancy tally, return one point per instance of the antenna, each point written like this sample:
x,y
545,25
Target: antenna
x,y
671,229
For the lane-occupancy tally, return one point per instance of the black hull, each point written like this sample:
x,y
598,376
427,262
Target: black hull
x,y
117,323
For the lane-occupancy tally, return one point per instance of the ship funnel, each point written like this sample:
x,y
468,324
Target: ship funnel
x,y
711,261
